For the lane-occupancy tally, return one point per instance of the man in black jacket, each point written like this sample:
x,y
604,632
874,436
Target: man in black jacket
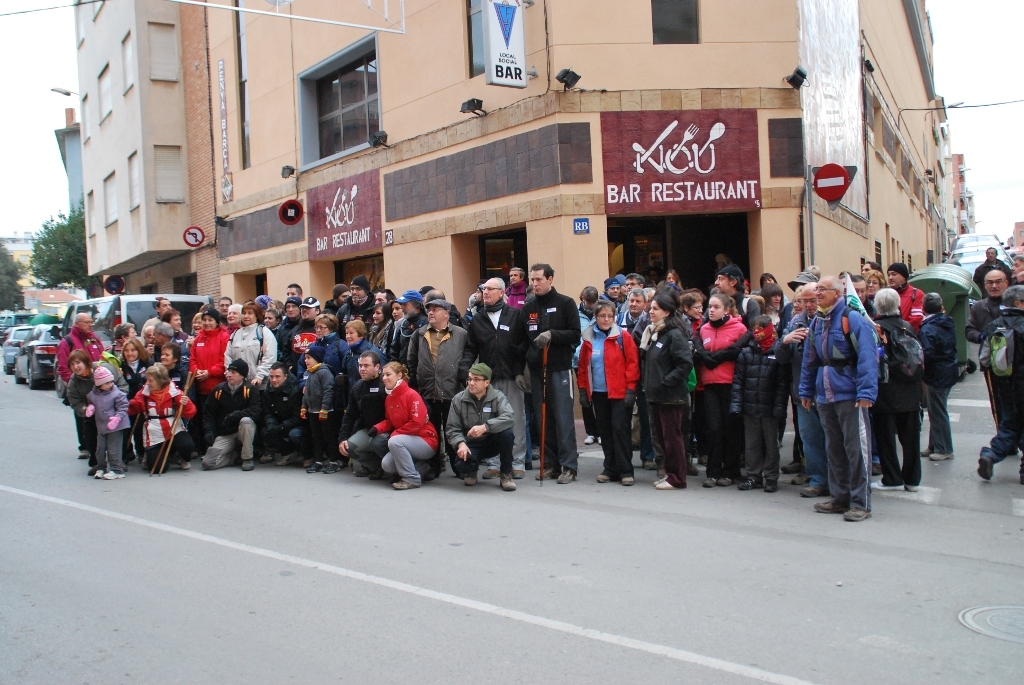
x,y
729,281
282,427
359,305
365,409
983,313
498,338
552,322
1009,390
230,418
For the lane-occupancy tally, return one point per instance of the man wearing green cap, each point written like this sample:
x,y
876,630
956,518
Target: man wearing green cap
x,y
479,426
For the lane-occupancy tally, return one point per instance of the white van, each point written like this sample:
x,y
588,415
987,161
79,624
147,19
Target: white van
x,y
108,312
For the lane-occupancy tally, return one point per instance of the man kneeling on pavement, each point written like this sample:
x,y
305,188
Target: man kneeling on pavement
x,y
480,426
282,432
365,409
230,418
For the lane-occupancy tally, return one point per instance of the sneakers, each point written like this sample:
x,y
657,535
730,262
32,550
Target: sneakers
x,y
589,441
751,484
830,508
315,467
800,479
404,485
490,474
709,483
854,515
937,456
604,478
723,482
691,469
568,476
771,486
878,485
247,465
911,488
332,467
628,480
97,473
663,484
469,480
793,467
648,465
284,460
506,482
517,474
811,491
549,473
113,475
184,465
266,458
985,467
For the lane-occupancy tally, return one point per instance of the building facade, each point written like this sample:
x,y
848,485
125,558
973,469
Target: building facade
x,y
69,141
682,146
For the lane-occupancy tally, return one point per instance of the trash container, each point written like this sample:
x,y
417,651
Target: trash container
x,y
956,286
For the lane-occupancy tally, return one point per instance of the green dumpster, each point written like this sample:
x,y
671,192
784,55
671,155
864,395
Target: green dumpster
x,y
956,286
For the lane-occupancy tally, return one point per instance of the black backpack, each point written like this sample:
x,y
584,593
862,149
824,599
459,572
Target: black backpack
x,y
904,356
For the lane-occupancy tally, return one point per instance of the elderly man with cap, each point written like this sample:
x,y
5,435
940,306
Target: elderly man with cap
x,y
415,319
360,304
229,418
911,298
435,353
480,426
497,337
729,281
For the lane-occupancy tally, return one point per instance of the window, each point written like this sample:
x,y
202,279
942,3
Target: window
x,y
134,181
476,37
86,119
243,84
163,53
675,21
91,220
128,61
96,7
878,251
106,100
109,200
347,106
786,147
80,18
167,162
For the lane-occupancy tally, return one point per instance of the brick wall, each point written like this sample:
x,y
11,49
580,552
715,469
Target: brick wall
x,y
199,142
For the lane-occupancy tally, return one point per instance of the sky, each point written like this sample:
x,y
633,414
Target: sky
x,y
977,60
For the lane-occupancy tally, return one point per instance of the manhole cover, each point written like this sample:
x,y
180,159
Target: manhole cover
x,y
1004,623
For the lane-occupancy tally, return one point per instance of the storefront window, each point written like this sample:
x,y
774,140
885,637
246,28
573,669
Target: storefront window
x,y
372,267
500,252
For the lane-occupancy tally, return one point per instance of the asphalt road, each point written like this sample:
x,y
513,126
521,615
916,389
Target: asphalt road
x,y
277,576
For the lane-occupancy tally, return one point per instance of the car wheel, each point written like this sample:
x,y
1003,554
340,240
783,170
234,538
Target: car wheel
x,y
18,379
33,382
9,369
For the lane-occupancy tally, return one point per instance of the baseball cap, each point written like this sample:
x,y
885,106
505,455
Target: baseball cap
x,y
310,302
410,296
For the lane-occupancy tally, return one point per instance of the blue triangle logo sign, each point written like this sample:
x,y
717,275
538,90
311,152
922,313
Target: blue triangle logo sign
x,y
506,17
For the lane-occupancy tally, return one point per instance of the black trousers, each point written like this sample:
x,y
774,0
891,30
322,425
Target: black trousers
x,y
195,426
437,412
484,448
905,426
723,432
325,436
87,436
613,425
181,450
590,420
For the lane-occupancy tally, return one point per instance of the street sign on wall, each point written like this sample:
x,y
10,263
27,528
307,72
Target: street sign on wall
x,y
504,43
832,181
194,236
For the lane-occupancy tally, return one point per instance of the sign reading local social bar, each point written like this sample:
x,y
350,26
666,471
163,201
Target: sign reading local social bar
x,y
344,216
680,161
504,43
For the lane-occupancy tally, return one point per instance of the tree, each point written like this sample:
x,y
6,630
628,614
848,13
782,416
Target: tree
x,y
10,291
58,253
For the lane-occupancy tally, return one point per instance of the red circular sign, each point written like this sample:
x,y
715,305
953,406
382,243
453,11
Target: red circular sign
x,y
831,182
194,236
290,212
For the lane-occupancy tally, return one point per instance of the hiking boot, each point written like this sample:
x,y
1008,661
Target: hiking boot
x,y
702,459
247,465
723,482
628,480
793,467
568,476
404,485
331,467
830,508
83,454
376,475
469,480
648,465
506,482
811,491
876,469
490,474
937,456
184,464
548,474
708,483
604,478
751,484
927,453
284,460
691,469
854,515
306,463
361,472
985,467
800,479
517,474
771,486
266,458
315,467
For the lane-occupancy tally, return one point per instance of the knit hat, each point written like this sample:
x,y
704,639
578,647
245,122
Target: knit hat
x,y
263,301
901,269
297,301
732,271
361,281
621,279
317,352
610,282
101,375
481,369
212,314
802,278
239,366
410,296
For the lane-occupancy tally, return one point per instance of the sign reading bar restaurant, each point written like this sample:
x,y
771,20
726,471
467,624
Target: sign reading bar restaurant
x,y
344,216
681,161
504,43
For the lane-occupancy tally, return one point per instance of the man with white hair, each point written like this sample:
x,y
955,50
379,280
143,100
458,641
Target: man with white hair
x,y
840,376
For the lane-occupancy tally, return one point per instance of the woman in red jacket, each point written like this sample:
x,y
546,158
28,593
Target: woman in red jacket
x,y
608,372
159,401
206,361
718,346
413,440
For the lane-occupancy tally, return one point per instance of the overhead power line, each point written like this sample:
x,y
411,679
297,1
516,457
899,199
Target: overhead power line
x,y
46,9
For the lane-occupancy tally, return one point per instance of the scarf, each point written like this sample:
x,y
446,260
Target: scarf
x,y
388,392
720,322
651,334
360,301
765,337
313,369
496,307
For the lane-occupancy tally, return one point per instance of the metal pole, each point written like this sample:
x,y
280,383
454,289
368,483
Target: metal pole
x,y
809,192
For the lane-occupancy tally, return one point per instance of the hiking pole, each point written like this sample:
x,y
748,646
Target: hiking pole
x,y
991,398
543,414
161,460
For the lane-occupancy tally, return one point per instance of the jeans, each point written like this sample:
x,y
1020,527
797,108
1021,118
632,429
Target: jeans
x,y
409,456
940,435
812,436
108,451
907,427
483,449
848,444
667,422
1010,435
366,452
616,442
222,452
762,447
560,429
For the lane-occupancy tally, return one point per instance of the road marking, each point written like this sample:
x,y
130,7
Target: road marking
x,y
968,403
924,495
953,417
1018,507
483,607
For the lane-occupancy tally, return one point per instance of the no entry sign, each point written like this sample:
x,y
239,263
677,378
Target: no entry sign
x,y
831,182
194,236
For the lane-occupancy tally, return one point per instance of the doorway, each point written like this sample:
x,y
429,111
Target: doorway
x,y
499,252
372,267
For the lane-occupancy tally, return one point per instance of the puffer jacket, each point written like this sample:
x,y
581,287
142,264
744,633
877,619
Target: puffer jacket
x,y
208,355
621,364
896,396
833,371
938,340
107,405
405,413
493,410
792,355
319,393
79,387
759,384
440,380
257,347
667,363
717,349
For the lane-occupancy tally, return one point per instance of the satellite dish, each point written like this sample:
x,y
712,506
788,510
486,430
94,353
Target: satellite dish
x,y
280,3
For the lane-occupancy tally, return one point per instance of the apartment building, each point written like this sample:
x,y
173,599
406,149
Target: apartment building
x,y
146,144
679,146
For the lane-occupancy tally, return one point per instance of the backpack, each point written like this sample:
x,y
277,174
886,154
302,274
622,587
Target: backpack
x,y
111,359
854,343
259,339
997,352
904,357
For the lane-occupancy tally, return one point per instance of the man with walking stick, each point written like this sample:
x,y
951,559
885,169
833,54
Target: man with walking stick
x,y
553,328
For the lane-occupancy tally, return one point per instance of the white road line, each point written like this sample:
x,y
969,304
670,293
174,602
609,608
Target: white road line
x,y
550,624
968,403
924,495
1018,507
954,417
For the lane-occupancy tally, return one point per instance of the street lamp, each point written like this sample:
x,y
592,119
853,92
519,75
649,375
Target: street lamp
x,y
64,91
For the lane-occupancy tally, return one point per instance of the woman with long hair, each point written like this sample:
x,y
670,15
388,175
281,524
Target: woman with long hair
x,y
134,362
380,326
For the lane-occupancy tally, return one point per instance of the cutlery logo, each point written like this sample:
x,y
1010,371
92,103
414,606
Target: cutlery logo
x,y
339,216
668,159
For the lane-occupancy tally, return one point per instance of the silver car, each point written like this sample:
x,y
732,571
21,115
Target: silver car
x,y
12,342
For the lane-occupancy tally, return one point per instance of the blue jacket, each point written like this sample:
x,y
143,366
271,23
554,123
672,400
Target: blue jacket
x,y
938,339
849,375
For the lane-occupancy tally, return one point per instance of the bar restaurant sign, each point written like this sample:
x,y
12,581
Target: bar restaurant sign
x,y
681,161
504,43
344,216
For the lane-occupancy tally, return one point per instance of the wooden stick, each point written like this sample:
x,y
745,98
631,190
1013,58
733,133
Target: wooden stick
x,y
161,459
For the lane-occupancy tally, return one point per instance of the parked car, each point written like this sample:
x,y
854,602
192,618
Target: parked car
x,y
8,321
37,357
970,257
108,312
970,241
12,343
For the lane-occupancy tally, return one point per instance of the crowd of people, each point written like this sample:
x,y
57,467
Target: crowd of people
x,y
399,388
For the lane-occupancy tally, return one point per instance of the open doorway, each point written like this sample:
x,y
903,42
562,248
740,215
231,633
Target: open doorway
x,y
499,252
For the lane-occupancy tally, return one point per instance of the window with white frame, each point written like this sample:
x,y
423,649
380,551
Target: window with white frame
x,y
91,220
163,53
86,118
128,61
134,181
106,96
167,165
109,199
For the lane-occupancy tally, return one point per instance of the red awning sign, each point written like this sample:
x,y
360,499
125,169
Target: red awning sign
x,y
831,182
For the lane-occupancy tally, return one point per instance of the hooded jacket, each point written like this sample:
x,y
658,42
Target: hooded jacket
x,y
718,348
759,384
107,405
257,347
319,393
441,379
833,371
208,355
405,413
938,340
621,364
503,348
493,410
159,414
